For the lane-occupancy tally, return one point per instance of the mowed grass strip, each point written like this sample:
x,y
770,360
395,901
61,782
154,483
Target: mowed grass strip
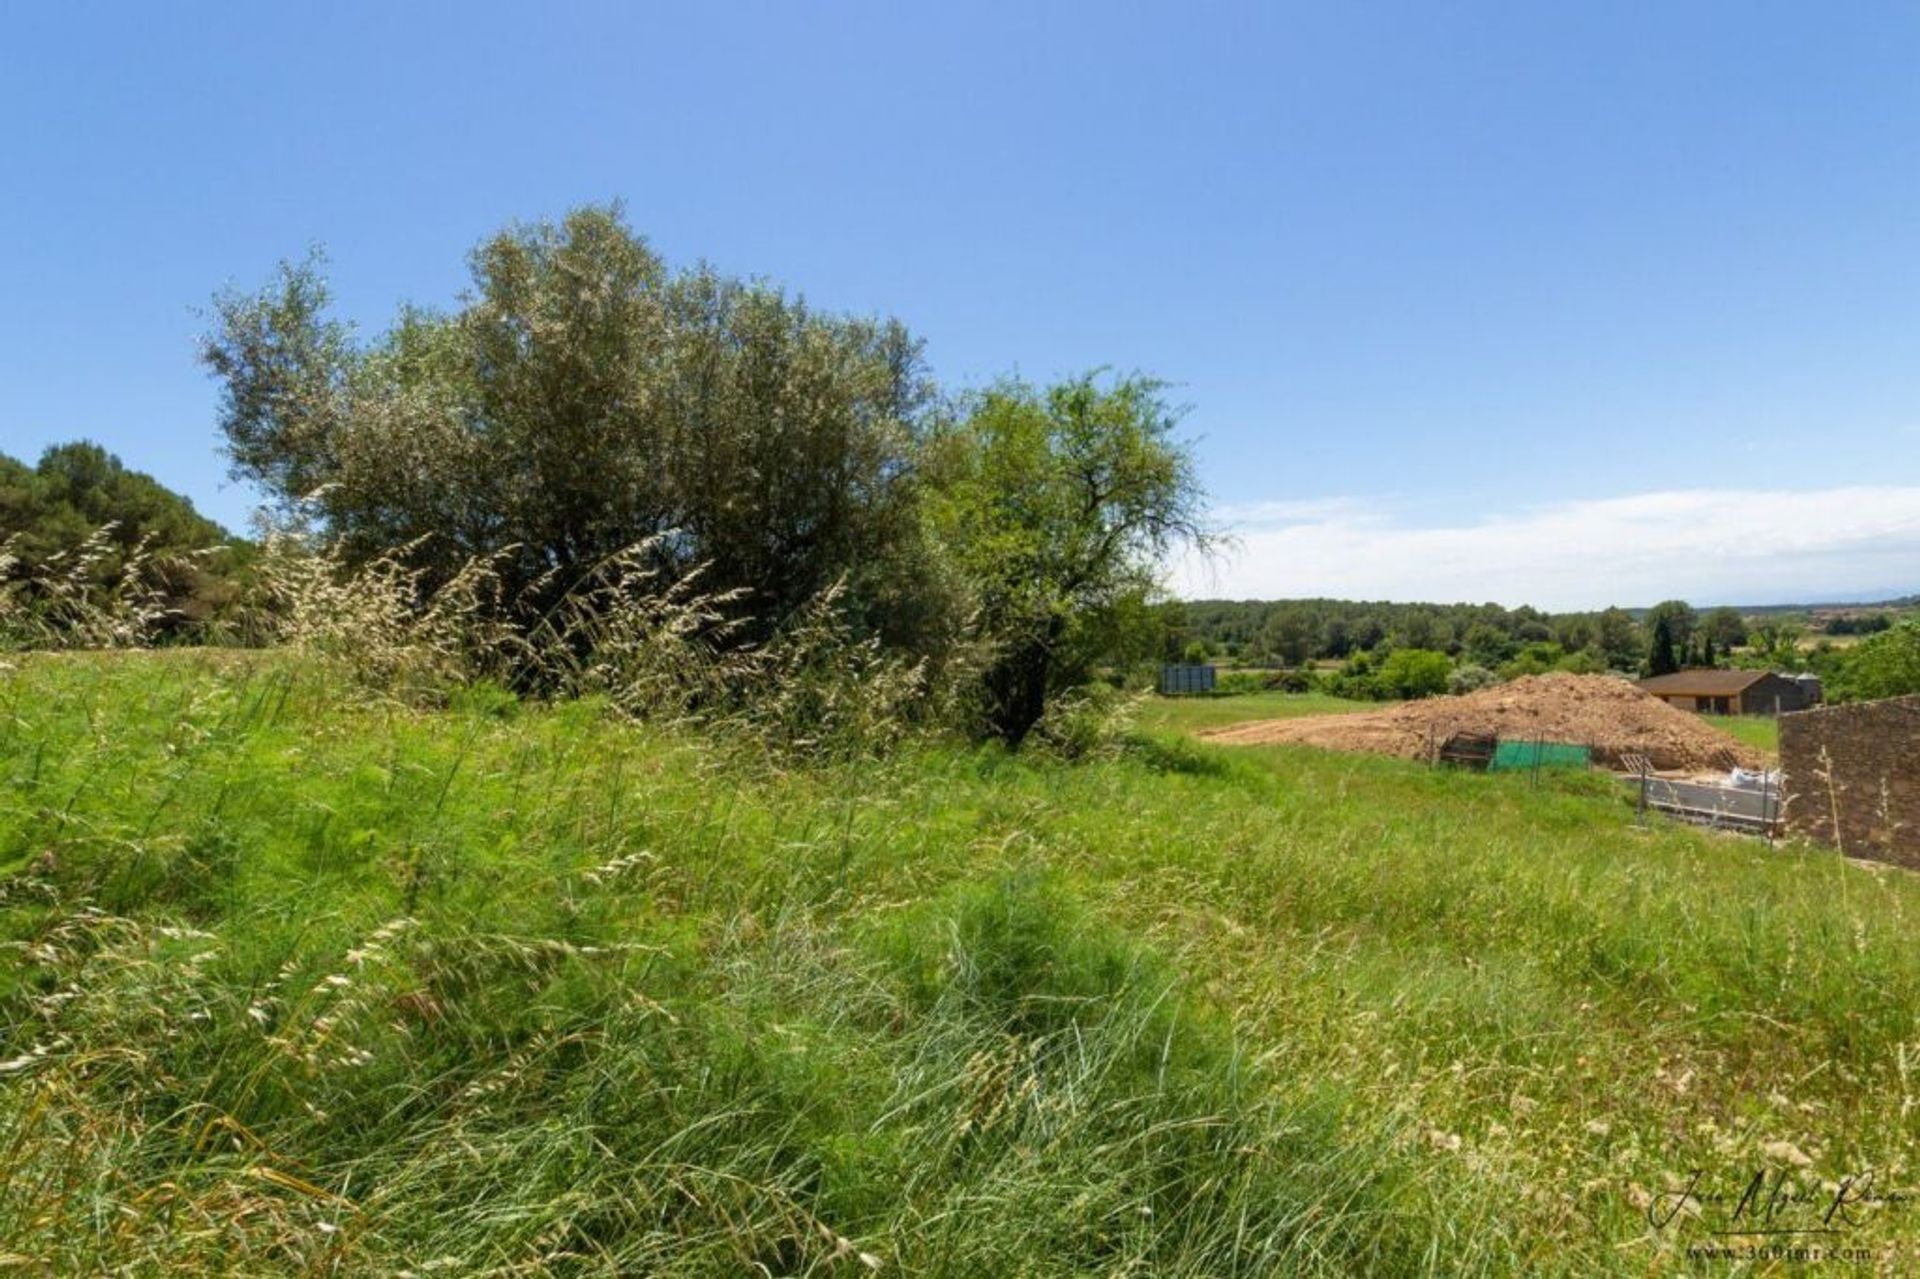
x,y
1197,714
305,981
1759,731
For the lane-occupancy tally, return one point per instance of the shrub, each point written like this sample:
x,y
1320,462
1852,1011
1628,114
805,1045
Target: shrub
x,y
1299,680
1414,672
1583,663
1470,677
1087,721
1235,683
1533,659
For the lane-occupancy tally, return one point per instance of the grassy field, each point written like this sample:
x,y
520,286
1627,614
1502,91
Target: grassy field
x,y
300,983
1759,731
1193,714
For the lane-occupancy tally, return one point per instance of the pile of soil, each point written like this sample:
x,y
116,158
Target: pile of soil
x,y
1600,711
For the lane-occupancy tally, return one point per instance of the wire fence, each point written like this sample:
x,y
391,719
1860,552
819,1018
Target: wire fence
x,y
1490,753
1752,806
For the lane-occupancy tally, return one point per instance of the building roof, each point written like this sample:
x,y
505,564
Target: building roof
x,y
1704,682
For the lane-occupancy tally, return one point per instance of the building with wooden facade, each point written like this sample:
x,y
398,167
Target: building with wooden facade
x,y
1719,692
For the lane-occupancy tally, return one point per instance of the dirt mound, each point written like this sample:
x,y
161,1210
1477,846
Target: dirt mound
x,y
1609,714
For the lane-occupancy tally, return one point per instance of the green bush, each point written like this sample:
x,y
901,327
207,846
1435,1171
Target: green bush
x,y
1887,665
1470,677
1414,672
1299,680
1237,683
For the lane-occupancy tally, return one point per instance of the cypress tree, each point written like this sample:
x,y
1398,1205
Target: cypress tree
x,y
1660,660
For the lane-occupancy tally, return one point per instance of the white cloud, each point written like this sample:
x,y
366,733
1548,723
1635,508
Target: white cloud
x,y
1706,545
1308,511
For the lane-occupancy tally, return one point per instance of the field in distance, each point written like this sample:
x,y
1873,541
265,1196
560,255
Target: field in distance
x,y
1196,714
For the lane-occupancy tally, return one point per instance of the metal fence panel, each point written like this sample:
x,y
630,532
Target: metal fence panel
x,y
1178,679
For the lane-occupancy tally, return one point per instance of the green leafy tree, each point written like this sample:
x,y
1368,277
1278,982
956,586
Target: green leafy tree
x,y
582,399
1422,628
1681,622
79,488
1531,626
1132,640
1577,632
1726,628
1619,639
1173,629
1059,505
1469,677
1584,662
1857,623
1886,665
1336,638
1487,645
1535,659
1776,642
1289,636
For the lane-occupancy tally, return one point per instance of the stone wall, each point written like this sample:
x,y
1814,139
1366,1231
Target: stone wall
x,y
1852,777
1773,696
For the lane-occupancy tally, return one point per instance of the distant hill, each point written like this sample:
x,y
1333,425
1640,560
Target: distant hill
x,y
1864,604
1289,632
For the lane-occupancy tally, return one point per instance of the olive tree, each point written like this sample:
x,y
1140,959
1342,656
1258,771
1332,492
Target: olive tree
x,y
583,398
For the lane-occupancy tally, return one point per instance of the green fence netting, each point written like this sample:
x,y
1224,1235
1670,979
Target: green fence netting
x,y
1524,754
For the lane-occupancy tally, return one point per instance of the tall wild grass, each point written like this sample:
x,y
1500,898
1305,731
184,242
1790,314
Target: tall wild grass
x,y
300,979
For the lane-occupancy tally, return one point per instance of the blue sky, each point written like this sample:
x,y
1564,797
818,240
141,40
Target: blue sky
x,y
1550,303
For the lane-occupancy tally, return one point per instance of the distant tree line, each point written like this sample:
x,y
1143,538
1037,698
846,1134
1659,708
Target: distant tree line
x,y
1857,623
1294,632
82,518
1408,650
